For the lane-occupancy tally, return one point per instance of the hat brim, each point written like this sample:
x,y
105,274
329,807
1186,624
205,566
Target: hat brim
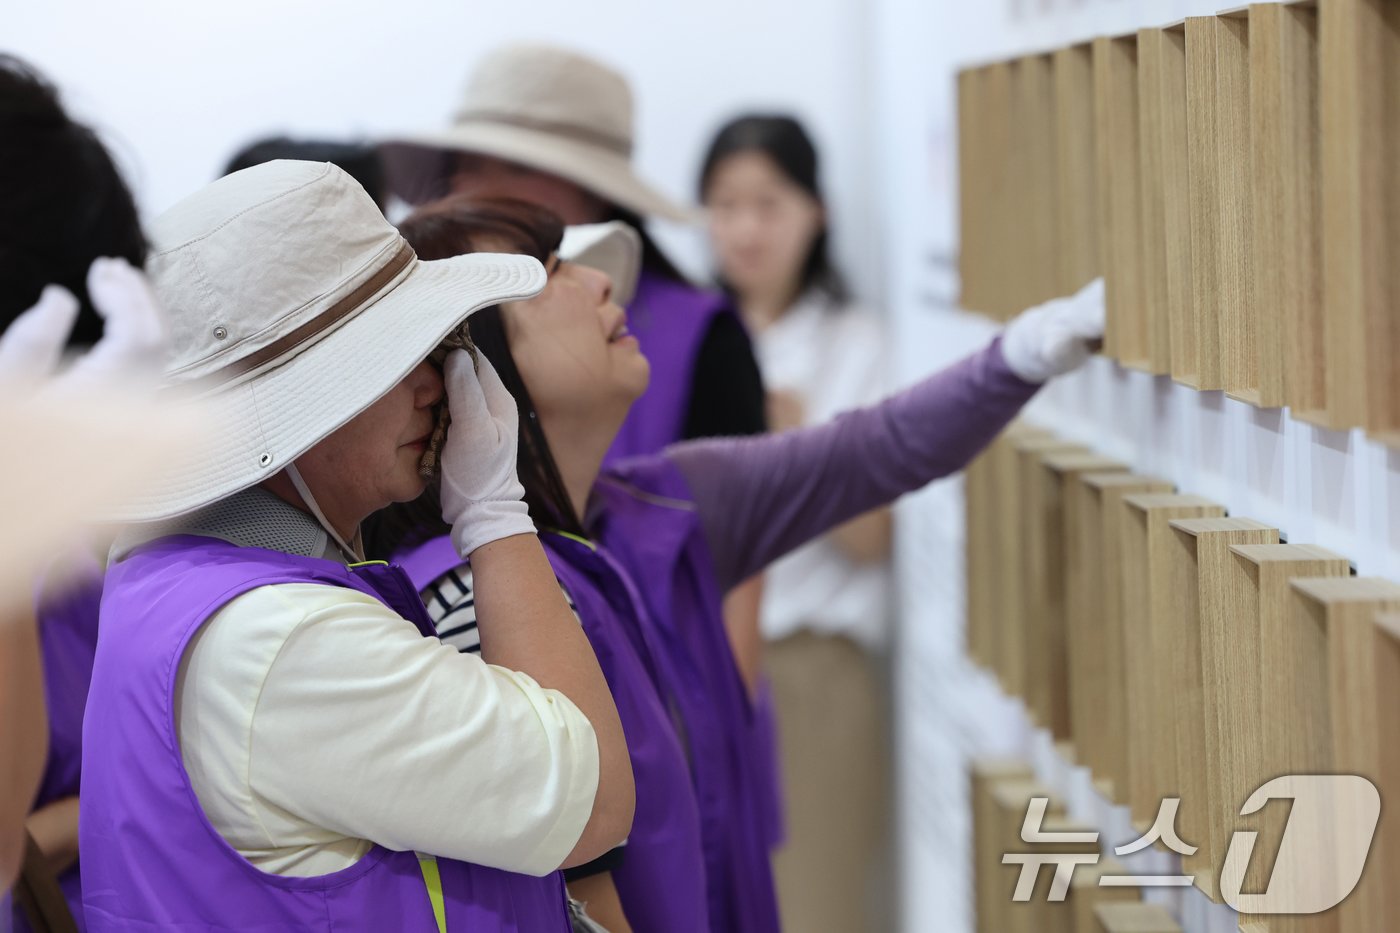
x,y
613,247
416,169
263,424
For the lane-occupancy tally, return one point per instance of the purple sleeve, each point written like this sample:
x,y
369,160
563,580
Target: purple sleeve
x,y
760,497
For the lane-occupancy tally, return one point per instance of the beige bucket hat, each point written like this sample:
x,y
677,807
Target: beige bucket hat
x,y
293,306
612,247
544,107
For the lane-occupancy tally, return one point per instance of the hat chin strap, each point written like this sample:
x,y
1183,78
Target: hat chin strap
x,y
353,553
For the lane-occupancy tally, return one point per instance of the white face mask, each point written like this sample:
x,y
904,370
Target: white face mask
x,y
354,553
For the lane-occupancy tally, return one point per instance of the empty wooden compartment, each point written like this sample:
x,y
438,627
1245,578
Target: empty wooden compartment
x,y
1287,208
1116,128
1037,526
1255,588
1005,575
1050,916
1077,204
968,213
987,844
1086,894
1203,170
979,542
1359,71
1103,709
1135,917
1145,595
1093,614
1010,801
1047,588
1307,673
993,547
1198,558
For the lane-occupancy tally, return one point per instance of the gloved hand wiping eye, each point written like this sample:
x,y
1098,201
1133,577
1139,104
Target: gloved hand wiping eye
x,y
482,498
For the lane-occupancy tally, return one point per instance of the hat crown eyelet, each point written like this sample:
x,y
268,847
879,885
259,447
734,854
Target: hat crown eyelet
x,y
220,333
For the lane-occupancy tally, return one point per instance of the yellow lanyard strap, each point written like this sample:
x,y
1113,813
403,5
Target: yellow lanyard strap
x,y
429,867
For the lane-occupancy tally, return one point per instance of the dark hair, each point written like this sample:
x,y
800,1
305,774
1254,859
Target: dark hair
x,y
454,226
783,140
361,162
62,201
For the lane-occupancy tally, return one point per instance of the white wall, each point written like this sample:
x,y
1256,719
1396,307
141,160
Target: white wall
x,y
178,86
1337,489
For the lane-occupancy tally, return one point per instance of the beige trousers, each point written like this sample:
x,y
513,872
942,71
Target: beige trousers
x,y
833,734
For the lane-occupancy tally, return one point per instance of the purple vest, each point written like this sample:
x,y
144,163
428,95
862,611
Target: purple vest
x,y
670,321
642,515
661,877
151,860
68,636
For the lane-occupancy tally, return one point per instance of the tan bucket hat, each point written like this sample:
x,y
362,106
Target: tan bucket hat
x,y
544,107
293,306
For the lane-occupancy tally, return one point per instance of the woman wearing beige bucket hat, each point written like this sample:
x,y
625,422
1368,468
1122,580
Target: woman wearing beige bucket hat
x,y
272,716
554,127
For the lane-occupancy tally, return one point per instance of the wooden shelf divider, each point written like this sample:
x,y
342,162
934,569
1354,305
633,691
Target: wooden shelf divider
x,y
1307,677
1116,129
1234,158
1055,521
1034,153
1203,169
1287,208
1077,203
1154,82
1174,157
1364,698
1359,69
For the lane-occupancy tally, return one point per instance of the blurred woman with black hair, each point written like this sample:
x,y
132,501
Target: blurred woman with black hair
x,y
826,605
69,245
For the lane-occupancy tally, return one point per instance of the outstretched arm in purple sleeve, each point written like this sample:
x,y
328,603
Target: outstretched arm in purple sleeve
x,y
760,497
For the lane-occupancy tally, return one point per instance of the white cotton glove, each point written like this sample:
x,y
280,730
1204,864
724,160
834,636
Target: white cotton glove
x,y
129,355
1054,338
482,498
133,341
33,344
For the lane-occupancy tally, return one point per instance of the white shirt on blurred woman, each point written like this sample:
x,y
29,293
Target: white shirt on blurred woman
x,y
819,359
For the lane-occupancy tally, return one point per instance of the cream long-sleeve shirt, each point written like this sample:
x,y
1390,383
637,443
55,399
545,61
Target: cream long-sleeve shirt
x,y
315,722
